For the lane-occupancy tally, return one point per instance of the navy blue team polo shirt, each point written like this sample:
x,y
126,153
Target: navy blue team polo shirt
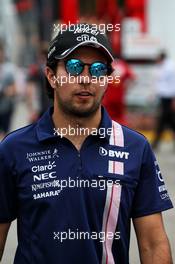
x,y
75,206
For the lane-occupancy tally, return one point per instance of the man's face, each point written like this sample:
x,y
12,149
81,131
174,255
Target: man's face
x,y
82,97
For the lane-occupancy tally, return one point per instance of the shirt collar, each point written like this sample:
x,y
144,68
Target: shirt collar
x,y
45,126
105,127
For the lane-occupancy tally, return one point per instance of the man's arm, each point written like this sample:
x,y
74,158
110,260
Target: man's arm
x,y
152,240
4,228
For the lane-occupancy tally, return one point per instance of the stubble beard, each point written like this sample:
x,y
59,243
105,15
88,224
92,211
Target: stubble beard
x,y
69,109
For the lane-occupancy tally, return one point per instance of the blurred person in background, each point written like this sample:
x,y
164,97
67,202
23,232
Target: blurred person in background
x,y
7,91
165,89
37,99
114,99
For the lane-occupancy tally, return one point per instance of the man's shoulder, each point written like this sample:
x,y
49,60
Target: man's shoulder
x,y
128,131
20,135
133,135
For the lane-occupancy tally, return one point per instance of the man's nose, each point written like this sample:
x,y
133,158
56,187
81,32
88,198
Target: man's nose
x,y
85,76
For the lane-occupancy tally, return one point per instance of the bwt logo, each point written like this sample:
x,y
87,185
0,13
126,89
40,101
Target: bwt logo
x,y
45,176
159,175
113,153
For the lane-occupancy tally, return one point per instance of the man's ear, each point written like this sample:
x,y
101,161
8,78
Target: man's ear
x,y
50,75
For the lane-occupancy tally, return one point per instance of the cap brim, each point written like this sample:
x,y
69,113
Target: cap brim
x,y
85,43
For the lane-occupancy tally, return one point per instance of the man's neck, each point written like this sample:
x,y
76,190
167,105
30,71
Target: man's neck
x,y
81,126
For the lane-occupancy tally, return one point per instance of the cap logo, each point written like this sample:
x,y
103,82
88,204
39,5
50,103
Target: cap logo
x,y
86,37
86,30
51,51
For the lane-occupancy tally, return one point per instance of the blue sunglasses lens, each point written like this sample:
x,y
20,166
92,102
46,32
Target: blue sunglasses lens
x,y
98,69
74,67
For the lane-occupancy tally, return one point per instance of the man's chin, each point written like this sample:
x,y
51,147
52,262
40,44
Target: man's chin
x,y
83,111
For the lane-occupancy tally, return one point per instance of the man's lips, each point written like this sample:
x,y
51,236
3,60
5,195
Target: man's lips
x,y
84,94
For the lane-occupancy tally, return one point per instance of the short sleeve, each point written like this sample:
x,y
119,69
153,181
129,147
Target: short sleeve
x,y
8,196
151,194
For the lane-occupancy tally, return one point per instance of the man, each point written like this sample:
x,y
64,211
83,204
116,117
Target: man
x,y
74,195
165,86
